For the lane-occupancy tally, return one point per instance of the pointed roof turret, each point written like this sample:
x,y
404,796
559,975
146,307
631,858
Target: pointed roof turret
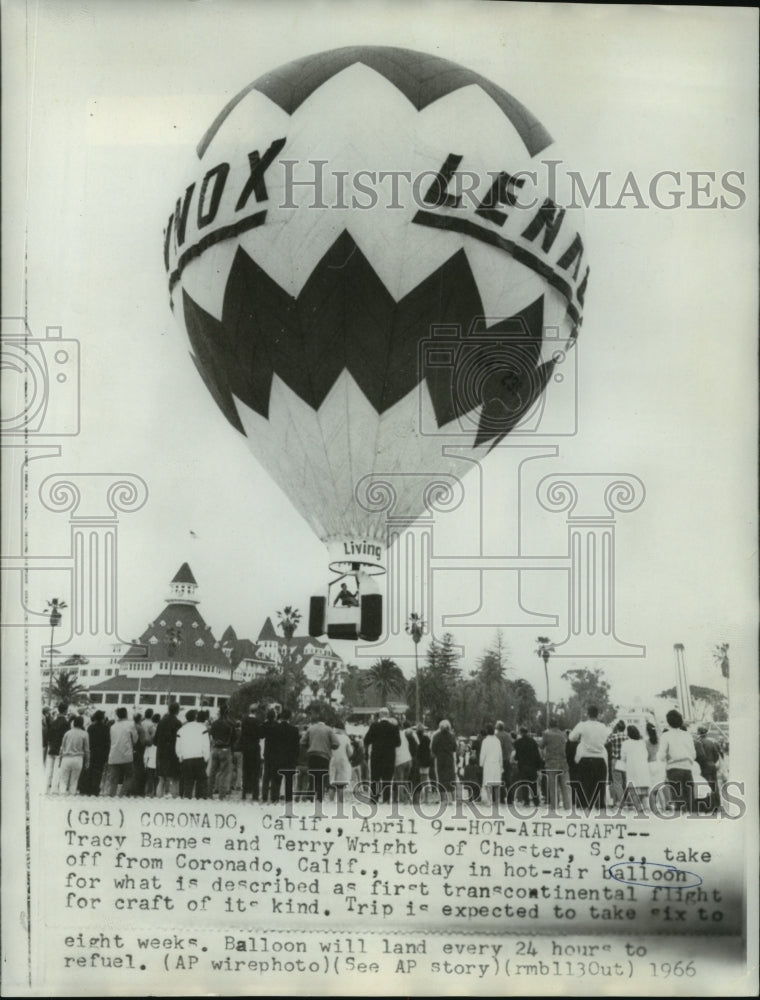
x,y
267,633
183,587
185,575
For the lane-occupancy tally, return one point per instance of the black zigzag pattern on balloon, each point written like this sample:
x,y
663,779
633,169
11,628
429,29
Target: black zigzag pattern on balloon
x,y
344,318
420,77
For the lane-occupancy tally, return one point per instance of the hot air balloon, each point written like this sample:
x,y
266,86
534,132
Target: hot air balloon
x,y
370,263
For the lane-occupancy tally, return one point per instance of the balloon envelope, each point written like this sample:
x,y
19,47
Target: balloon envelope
x,y
370,265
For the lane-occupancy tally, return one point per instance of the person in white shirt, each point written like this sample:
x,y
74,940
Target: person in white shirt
x,y
492,763
678,753
193,752
74,757
590,759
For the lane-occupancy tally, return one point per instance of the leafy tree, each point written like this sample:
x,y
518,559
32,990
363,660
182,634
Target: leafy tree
x,y
323,710
484,697
709,704
523,703
261,690
352,685
439,678
500,652
387,678
588,688
67,688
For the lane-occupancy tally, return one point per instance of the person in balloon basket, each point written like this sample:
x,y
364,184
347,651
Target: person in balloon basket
x,y
345,598
381,740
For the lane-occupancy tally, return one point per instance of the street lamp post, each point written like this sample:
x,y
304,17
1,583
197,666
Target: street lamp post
x,y
173,639
415,628
55,607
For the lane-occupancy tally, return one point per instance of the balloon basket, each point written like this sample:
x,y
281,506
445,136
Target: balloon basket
x,y
364,621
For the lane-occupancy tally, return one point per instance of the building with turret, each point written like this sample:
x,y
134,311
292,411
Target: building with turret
x,y
177,657
322,667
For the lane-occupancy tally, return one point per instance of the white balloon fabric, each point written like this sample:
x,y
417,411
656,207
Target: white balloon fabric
x,y
369,263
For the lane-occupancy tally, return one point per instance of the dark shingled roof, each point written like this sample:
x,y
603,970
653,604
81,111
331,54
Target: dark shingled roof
x,y
267,632
161,683
241,649
184,575
197,643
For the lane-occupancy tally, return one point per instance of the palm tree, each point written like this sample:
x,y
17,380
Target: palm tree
x,y
720,655
289,618
386,678
415,627
330,679
545,650
291,668
54,609
65,687
76,660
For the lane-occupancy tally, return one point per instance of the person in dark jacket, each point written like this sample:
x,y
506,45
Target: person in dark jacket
x,y
708,757
221,737
422,761
381,739
443,747
287,746
250,747
529,763
100,744
269,735
505,793
167,762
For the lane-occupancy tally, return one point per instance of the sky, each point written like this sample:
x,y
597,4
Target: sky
x,y
108,101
